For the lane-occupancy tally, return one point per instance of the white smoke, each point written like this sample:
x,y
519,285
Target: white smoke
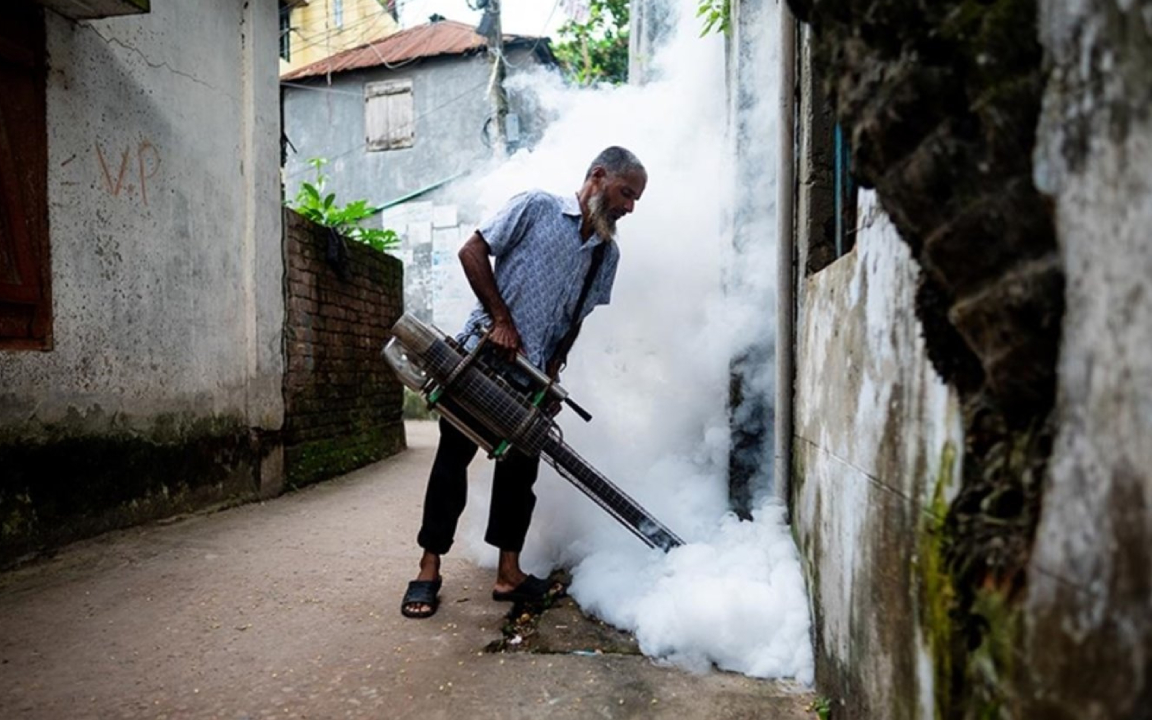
x,y
653,368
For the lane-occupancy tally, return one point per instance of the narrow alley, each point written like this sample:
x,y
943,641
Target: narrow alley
x,y
290,608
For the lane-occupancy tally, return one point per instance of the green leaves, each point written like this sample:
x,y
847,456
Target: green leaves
x,y
717,15
312,203
597,50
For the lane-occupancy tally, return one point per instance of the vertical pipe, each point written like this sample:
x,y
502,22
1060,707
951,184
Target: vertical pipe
x,y
785,288
840,191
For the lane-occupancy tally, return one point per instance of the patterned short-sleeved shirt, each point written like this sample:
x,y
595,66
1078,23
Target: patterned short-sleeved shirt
x,y
541,263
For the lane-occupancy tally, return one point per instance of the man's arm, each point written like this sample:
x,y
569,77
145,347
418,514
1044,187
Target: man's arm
x,y
474,257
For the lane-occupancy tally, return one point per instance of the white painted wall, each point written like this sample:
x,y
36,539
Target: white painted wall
x,y
871,427
164,214
435,287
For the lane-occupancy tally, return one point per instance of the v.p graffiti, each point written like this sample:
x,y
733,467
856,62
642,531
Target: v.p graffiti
x,y
138,167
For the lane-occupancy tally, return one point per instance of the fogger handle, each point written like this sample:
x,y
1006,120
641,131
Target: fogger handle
x,y
584,414
554,390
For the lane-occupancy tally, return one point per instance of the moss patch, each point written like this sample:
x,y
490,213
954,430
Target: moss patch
x,y
63,483
992,666
311,462
937,593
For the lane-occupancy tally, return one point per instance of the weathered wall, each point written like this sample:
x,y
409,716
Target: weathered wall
x,y
650,24
1089,603
342,402
753,57
166,266
876,444
435,288
1014,222
450,103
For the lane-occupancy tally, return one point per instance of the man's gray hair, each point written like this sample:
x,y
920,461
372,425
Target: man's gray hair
x,y
616,160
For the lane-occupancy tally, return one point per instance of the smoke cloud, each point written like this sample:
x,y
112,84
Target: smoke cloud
x,y
654,369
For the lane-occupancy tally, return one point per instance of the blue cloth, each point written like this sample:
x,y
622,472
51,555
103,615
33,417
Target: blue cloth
x,y
541,263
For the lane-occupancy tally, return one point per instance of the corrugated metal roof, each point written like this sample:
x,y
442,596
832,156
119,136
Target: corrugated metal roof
x,y
444,37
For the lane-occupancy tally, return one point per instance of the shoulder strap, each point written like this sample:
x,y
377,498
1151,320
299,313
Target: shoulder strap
x,y
593,269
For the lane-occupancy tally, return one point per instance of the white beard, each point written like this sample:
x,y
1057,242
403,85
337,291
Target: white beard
x,y
602,225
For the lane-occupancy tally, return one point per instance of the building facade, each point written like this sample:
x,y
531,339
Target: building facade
x,y
398,121
311,30
141,152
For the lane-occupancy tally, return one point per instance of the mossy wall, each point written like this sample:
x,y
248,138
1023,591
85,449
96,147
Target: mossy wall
x,y
343,405
875,457
1008,141
62,482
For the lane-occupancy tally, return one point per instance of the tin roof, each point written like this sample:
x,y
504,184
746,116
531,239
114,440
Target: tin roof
x,y
444,37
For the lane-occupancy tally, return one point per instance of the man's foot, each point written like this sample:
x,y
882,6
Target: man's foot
x,y
513,584
422,597
529,590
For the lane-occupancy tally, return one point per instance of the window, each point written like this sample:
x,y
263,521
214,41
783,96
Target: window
x,y
338,13
25,297
389,122
285,31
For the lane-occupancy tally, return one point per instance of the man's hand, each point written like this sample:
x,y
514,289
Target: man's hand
x,y
505,336
474,259
555,365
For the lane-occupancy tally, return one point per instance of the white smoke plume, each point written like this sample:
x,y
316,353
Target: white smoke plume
x,y
653,368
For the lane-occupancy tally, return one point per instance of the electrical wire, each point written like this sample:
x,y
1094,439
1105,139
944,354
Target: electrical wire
x,y
313,88
390,66
540,36
327,34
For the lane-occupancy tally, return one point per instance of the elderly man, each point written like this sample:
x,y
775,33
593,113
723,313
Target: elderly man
x,y
555,260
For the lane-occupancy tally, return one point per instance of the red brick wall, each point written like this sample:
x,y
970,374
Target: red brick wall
x,y
342,402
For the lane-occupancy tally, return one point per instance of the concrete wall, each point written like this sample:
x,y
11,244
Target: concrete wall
x,y
899,633
166,267
342,401
650,25
451,105
435,288
877,438
1089,603
752,63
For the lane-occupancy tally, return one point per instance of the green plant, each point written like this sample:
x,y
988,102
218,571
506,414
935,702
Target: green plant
x,y
596,50
717,15
822,706
312,203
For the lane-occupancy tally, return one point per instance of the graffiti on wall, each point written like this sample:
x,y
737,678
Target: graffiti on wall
x,y
137,167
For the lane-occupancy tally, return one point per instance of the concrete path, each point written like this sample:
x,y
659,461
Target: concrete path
x,y
290,609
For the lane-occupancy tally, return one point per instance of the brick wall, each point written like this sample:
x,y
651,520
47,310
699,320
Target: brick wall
x,y
342,404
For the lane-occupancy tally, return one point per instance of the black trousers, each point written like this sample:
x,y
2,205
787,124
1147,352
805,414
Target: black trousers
x,y
512,498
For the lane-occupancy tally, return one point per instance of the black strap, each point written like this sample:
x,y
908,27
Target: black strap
x,y
594,268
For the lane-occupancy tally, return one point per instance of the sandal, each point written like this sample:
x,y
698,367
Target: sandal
x,y
421,592
531,590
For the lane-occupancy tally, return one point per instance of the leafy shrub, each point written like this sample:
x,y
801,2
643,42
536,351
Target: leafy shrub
x,y
312,203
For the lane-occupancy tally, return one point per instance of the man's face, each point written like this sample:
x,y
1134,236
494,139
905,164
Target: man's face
x,y
614,196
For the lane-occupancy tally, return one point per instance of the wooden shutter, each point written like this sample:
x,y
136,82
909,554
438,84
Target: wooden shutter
x,y
389,121
25,300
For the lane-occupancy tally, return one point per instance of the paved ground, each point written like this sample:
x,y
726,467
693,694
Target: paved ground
x,y
290,609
